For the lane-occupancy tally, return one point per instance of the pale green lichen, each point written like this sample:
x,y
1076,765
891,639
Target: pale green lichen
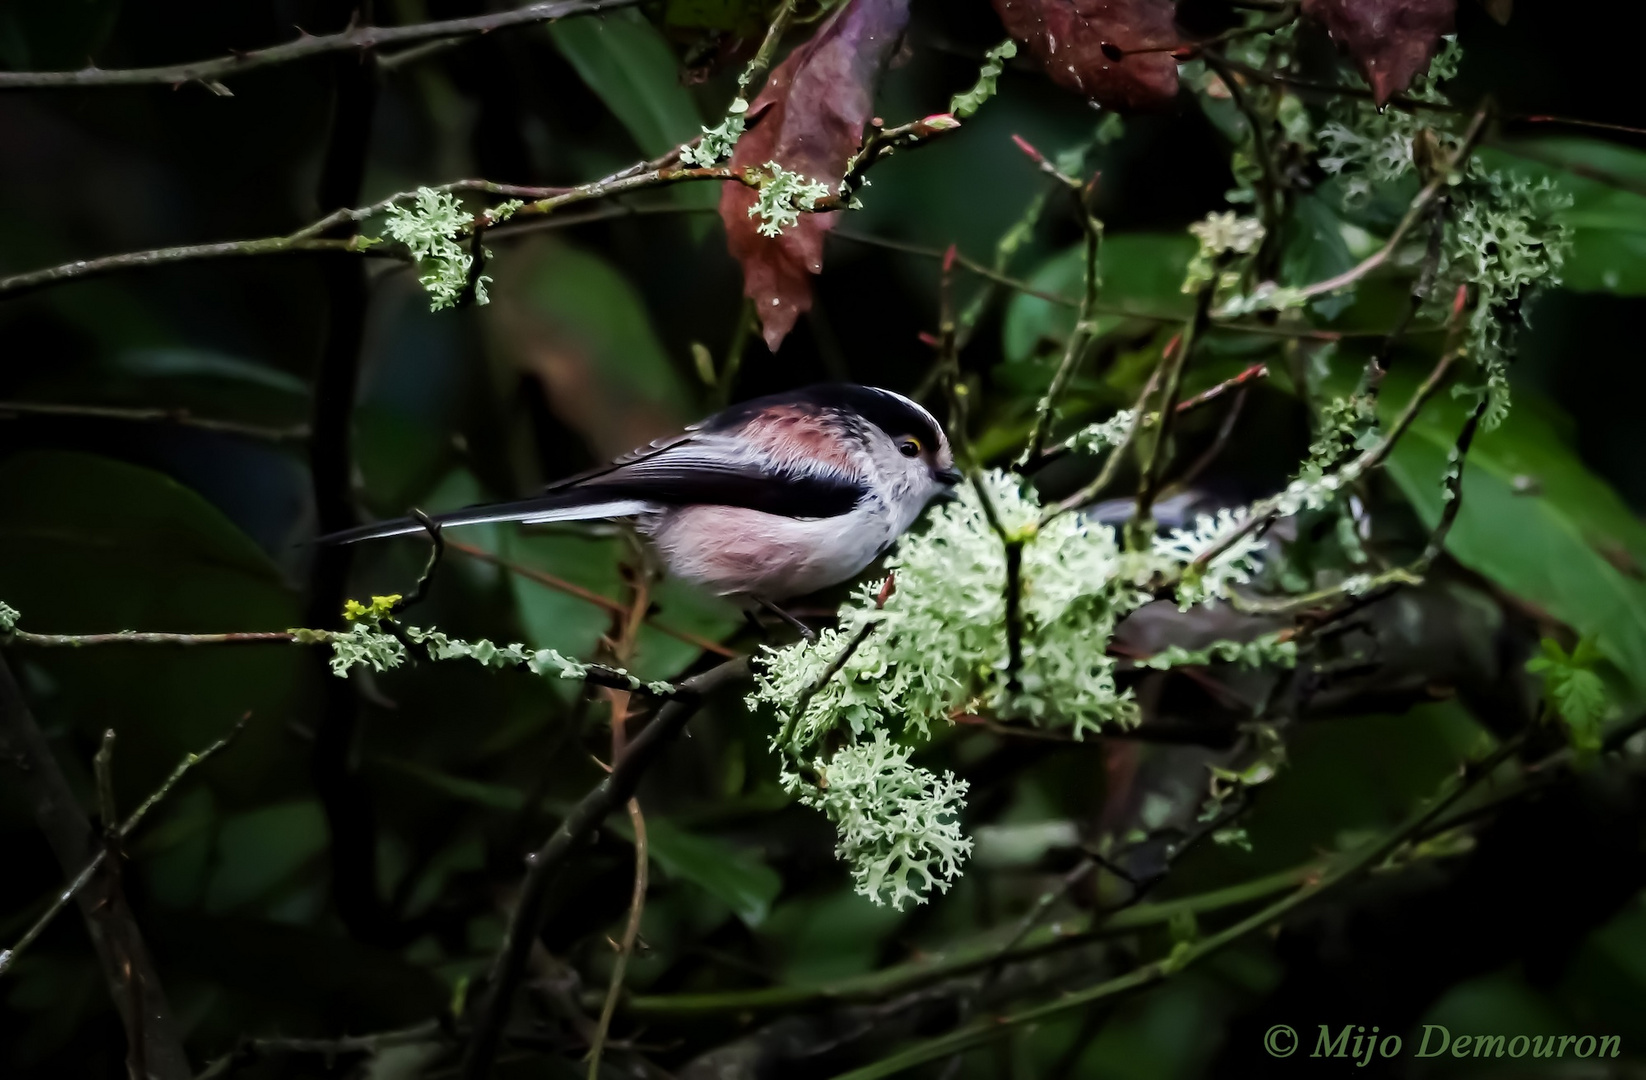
x,y
783,197
1220,235
1275,649
1095,438
719,141
938,645
967,103
366,644
430,229
8,617
1504,239
899,826
361,646
504,210
1234,565
1502,235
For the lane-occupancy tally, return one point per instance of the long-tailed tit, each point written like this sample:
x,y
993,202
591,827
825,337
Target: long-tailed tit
x,y
770,499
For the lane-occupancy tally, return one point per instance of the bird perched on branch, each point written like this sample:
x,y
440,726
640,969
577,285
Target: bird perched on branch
x,y
770,499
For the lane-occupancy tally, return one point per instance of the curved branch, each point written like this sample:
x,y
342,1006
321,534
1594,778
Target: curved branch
x,y
209,73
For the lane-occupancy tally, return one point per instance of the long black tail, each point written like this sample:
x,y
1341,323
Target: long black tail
x,y
573,505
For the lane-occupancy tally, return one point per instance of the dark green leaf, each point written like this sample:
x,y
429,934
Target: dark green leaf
x,y
1576,547
627,62
731,873
1142,272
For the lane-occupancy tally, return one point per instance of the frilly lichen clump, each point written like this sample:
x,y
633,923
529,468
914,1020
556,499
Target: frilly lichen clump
x,y
784,195
719,141
430,229
1502,237
8,617
899,825
938,646
367,644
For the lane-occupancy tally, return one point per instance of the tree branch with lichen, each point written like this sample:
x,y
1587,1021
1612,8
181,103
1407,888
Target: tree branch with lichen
x,y
361,39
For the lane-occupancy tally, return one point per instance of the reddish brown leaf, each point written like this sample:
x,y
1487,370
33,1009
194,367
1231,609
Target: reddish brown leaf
x,y
1116,52
809,118
1391,40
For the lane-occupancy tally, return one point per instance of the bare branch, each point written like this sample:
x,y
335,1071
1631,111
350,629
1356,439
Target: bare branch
x,y
210,73
8,957
583,819
10,410
127,968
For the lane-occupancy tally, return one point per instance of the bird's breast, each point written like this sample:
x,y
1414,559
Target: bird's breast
x,y
731,550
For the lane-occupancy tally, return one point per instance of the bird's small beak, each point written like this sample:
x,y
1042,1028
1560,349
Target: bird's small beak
x,y
949,477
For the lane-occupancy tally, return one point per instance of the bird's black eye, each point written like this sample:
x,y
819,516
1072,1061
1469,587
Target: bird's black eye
x,y
909,447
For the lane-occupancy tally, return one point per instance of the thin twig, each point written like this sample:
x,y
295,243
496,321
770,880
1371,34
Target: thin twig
x,y
28,767
251,1050
1343,869
210,73
1081,334
1418,209
623,653
1148,481
584,818
1111,465
559,584
1219,442
8,957
785,737
132,637
17,284
1269,509
593,674
1357,595
10,410
963,959
998,277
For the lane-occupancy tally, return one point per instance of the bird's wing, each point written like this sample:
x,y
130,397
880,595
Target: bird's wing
x,y
724,469
720,468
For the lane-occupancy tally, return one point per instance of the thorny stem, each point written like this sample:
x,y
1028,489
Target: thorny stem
x,y
209,73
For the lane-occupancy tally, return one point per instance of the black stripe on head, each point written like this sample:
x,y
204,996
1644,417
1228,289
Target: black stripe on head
x,y
891,413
